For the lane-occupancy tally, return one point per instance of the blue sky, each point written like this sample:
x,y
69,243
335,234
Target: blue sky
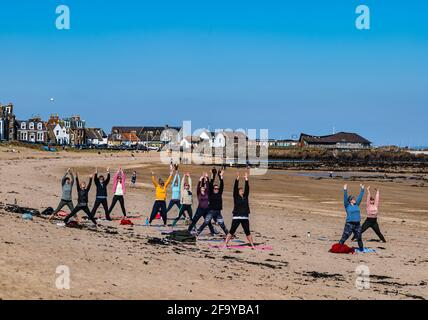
x,y
289,66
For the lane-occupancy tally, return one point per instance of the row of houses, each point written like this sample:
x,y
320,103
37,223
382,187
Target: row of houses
x,y
60,131
73,131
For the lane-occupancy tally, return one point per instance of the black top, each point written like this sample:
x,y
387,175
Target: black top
x,y
82,195
216,199
241,206
101,187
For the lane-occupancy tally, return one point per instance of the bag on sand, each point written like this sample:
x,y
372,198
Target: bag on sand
x,y
73,224
47,211
181,236
126,222
341,248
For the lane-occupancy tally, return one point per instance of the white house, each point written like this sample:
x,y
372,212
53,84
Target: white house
x,y
188,142
206,135
61,134
223,138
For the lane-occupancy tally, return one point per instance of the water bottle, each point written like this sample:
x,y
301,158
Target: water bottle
x,y
147,221
309,234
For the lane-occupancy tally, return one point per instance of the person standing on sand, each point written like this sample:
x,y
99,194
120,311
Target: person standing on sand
x,y
353,216
83,199
241,211
101,198
133,179
176,192
215,203
186,199
202,192
119,189
372,212
66,195
160,202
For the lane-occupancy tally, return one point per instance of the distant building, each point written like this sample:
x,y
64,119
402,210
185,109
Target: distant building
x,y
33,130
149,136
59,134
76,129
341,140
96,137
287,143
225,138
187,143
206,135
7,123
265,143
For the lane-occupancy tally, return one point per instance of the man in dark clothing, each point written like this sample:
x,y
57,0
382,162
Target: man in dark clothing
x,y
82,202
101,198
215,206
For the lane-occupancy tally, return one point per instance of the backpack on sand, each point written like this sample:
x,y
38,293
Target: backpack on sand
x,y
47,211
181,236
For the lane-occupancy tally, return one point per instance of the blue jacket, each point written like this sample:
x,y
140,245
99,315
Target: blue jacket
x,y
176,189
353,213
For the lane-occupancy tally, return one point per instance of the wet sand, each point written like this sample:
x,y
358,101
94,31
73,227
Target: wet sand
x,y
116,262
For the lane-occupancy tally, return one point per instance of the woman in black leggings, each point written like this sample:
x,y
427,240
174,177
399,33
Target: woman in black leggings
x,y
82,203
241,211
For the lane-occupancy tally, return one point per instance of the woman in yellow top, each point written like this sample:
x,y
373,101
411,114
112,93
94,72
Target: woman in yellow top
x,y
160,202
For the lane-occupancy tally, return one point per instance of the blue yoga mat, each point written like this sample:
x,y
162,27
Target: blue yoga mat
x,y
365,250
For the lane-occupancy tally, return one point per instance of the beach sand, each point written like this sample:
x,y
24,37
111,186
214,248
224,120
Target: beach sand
x,y
116,262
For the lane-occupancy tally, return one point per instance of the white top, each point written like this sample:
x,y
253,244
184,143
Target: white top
x,y
119,189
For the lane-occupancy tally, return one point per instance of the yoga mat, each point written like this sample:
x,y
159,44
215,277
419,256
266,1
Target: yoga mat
x,y
259,247
366,250
221,240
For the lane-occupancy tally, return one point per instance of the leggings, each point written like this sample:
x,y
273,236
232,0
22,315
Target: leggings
x,y
216,215
184,208
122,204
78,208
245,225
201,213
159,206
355,228
62,204
372,223
103,202
172,203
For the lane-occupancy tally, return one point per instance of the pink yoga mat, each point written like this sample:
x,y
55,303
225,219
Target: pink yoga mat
x,y
261,248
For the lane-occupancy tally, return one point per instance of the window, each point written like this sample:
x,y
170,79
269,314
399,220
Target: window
x,y
57,132
39,126
23,125
31,126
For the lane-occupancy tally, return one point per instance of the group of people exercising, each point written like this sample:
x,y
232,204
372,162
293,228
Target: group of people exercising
x,y
209,194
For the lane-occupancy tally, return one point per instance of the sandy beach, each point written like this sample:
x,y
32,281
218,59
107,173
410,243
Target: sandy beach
x,y
118,262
